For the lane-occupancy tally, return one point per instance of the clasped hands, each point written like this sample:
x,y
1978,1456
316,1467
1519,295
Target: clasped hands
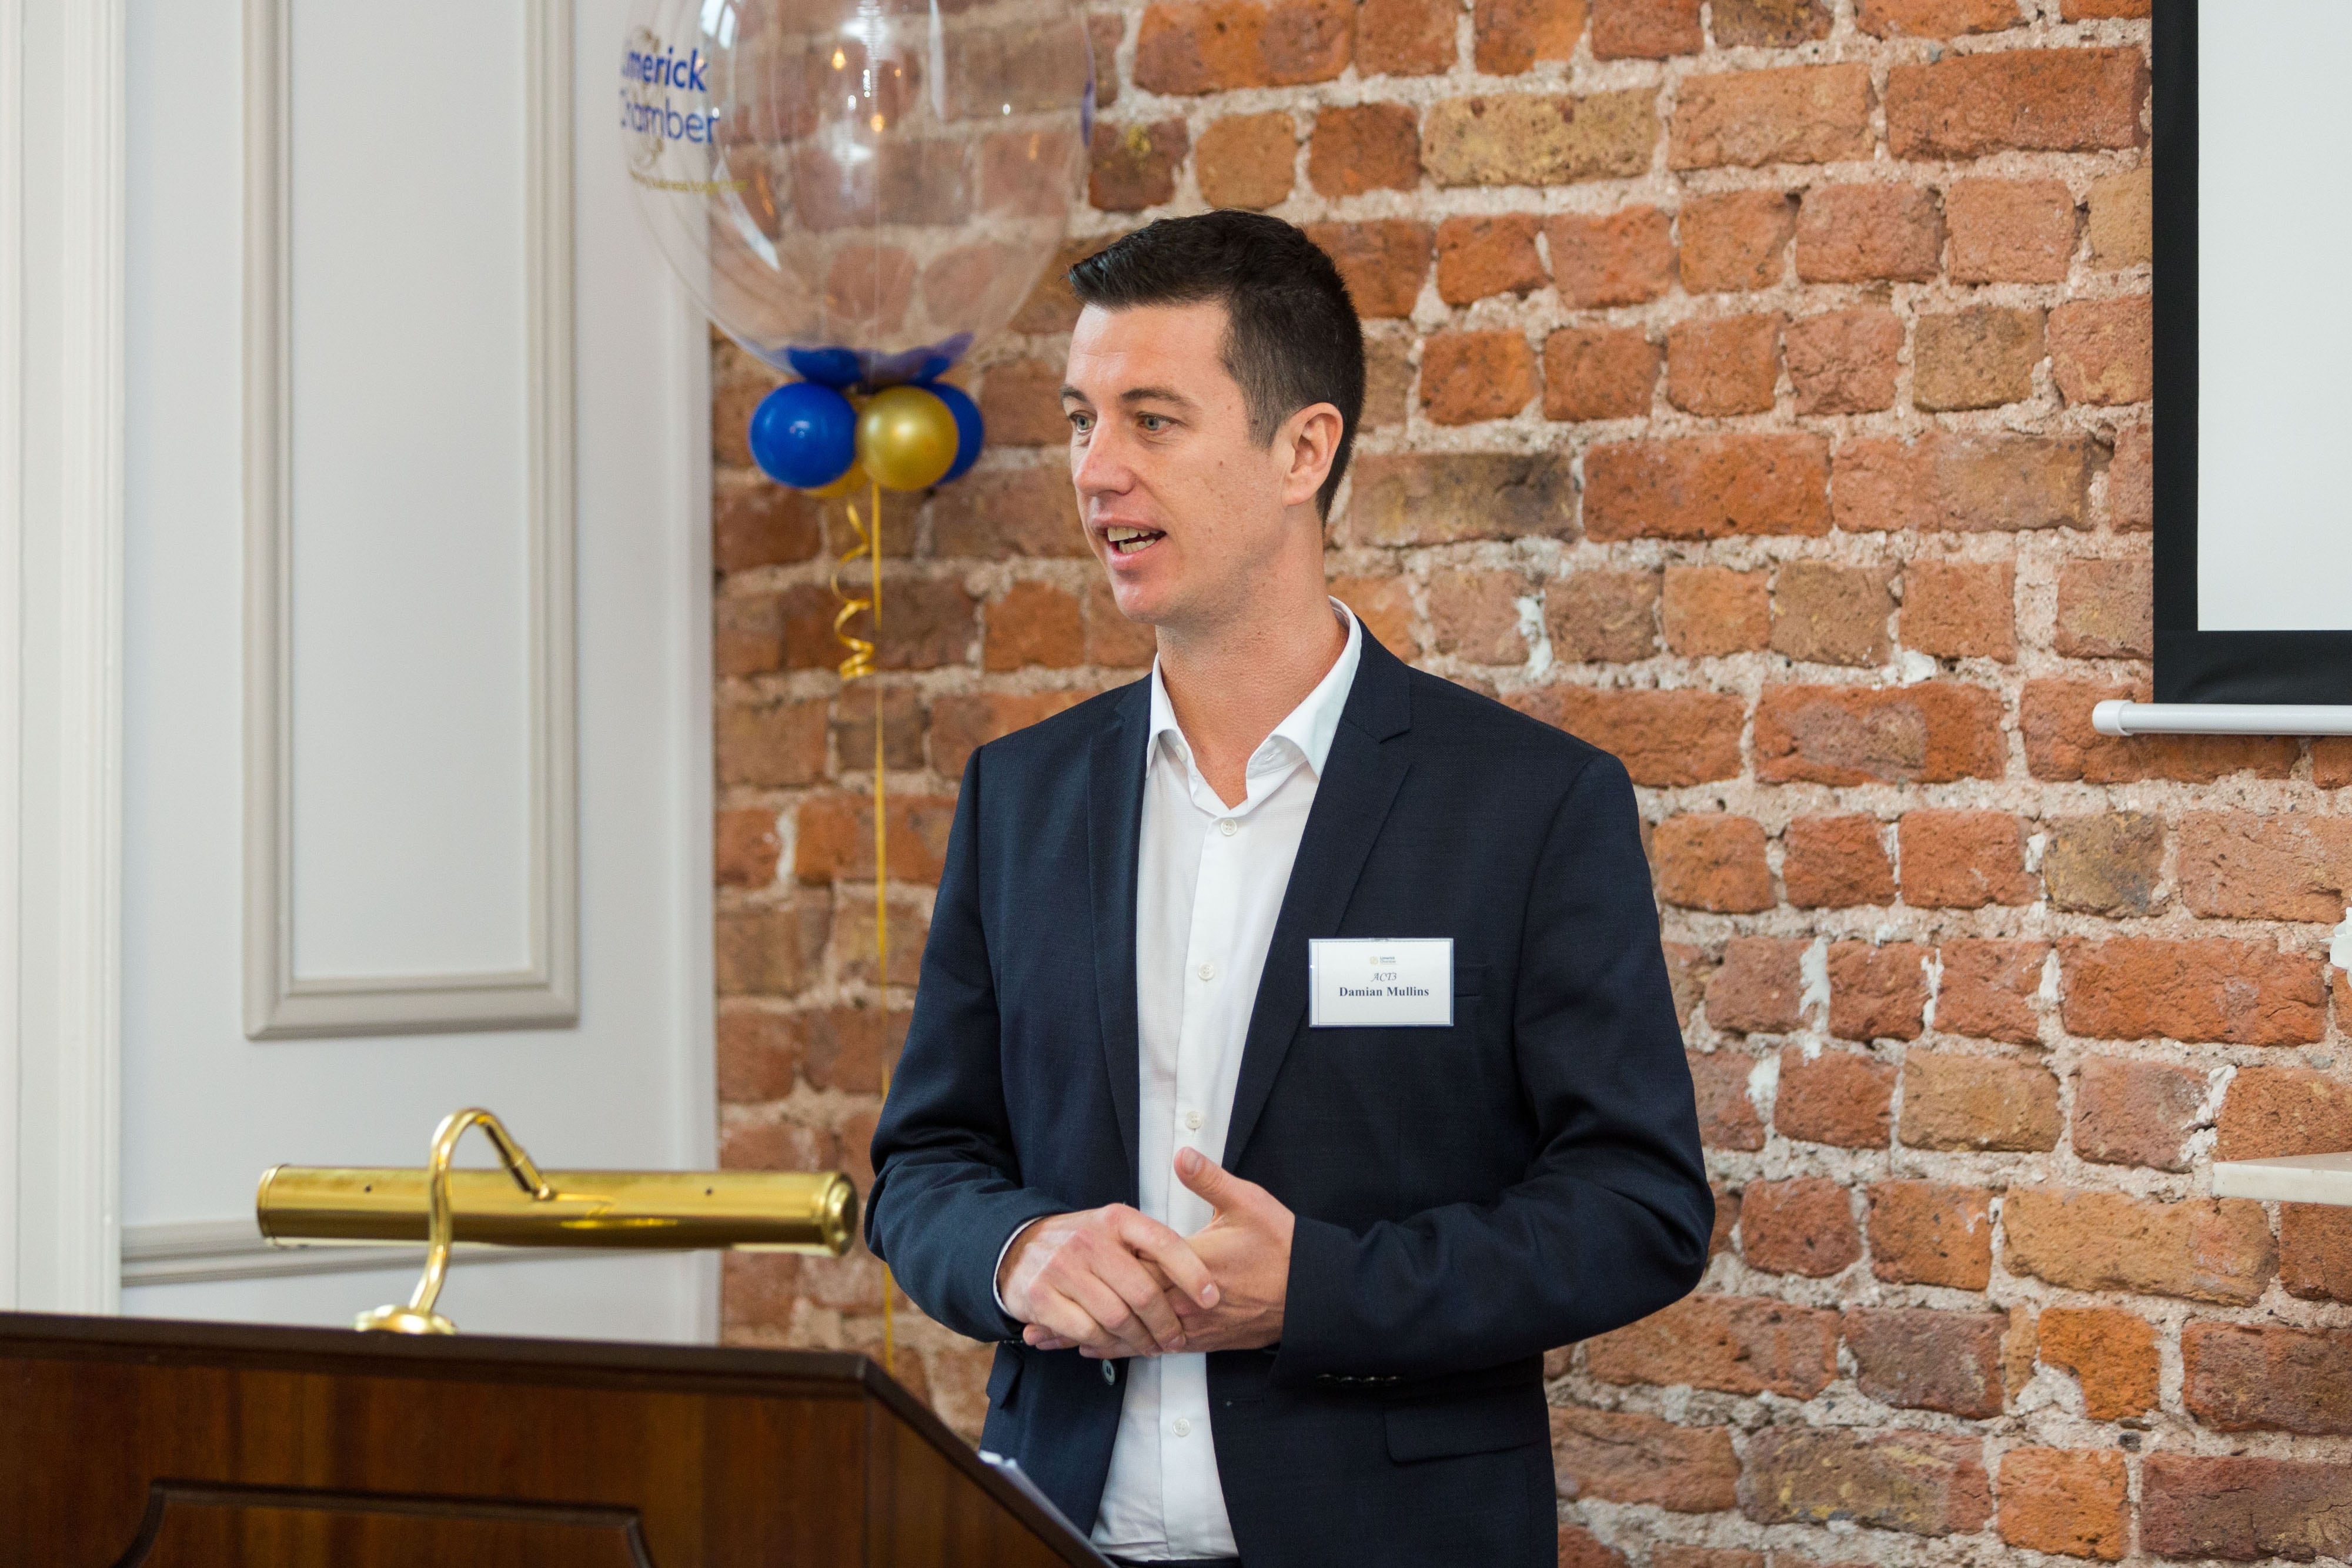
x,y
1112,1282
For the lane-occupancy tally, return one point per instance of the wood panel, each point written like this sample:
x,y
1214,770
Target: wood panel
x,y
131,1442
203,1526
920,1512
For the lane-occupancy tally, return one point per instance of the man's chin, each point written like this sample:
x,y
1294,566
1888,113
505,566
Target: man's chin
x,y
1140,597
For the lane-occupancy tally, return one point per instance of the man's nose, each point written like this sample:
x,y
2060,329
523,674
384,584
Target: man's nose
x,y
1100,466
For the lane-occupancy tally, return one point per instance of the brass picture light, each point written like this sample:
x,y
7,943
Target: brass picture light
x,y
522,1206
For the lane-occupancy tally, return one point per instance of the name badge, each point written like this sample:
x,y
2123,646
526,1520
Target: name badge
x,y
1383,982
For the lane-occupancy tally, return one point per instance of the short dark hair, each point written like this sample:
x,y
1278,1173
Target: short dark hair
x,y
1292,337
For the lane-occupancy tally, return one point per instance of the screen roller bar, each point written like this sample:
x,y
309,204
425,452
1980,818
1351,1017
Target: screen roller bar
x,y
2117,716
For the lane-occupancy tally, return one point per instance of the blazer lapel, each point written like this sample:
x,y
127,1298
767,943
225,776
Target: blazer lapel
x,y
1360,779
1114,834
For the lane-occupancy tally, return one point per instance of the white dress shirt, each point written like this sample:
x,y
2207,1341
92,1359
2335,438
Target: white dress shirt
x,y
1210,881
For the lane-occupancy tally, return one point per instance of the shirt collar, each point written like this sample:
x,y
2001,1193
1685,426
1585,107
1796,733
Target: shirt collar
x,y
1311,727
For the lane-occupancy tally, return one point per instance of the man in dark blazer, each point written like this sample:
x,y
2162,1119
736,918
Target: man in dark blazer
x,y
1293,1061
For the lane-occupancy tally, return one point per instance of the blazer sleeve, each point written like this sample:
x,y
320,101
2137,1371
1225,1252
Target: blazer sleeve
x,y
1611,1218
947,1192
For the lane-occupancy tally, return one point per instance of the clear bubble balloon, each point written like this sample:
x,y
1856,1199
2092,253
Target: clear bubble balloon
x,y
857,190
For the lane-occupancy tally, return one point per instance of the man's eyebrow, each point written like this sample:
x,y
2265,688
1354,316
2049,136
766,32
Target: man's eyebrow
x,y
1155,394
1134,395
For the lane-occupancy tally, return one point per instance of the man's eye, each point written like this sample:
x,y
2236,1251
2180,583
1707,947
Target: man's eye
x,y
1154,422
1081,423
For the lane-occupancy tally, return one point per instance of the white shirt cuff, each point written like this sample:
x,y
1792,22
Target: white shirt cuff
x,y
999,1273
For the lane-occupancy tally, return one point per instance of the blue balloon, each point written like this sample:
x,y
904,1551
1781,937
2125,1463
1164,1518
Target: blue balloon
x,y
844,368
805,436
969,430
834,368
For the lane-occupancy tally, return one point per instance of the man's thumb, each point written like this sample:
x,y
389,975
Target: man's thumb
x,y
1203,1175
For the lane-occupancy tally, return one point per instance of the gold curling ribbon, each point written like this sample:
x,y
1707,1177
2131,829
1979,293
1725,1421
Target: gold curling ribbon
x,y
856,666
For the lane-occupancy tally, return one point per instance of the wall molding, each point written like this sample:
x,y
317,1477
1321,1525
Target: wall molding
x,y
62,221
207,1251
545,993
11,593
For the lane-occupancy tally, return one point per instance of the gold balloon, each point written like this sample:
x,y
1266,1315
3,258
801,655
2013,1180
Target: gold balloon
x,y
852,481
906,438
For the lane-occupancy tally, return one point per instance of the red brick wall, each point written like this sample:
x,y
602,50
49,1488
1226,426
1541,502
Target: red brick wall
x,y
1760,390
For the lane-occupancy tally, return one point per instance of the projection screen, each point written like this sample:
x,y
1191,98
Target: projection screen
x,y
2254,354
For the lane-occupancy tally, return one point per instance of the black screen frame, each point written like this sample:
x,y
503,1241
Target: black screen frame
x,y
2194,665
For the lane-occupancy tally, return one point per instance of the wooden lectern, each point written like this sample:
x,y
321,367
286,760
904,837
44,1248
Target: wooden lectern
x,y
126,1442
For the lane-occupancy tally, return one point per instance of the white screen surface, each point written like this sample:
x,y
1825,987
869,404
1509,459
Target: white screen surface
x,y
2274,378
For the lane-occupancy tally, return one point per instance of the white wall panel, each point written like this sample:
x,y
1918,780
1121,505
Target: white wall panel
x,y
411,378
204,1107
409,840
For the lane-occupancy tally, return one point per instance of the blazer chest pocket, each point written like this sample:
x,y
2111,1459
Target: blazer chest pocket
x,y
1474,1424
1389,982
1468,979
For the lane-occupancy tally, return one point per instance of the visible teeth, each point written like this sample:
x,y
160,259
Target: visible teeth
x,y
1121,536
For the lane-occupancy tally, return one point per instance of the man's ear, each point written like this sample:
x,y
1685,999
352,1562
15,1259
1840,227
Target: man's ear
x,y
1310,438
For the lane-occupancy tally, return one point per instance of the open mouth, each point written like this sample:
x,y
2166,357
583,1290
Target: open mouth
x,y
1126,541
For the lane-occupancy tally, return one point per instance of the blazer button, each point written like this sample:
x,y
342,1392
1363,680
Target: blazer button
x,y
1111,1371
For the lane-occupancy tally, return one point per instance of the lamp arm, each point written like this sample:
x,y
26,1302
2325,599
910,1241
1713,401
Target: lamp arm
x,y
419,1316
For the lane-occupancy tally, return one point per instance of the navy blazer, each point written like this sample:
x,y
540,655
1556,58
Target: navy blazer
x,y
1466,1197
